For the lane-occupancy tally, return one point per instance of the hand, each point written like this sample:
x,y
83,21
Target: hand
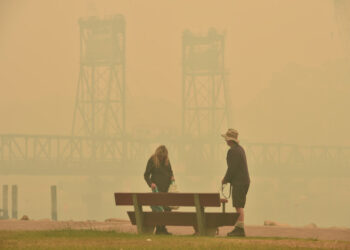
x,y
172,178
153,186
223,181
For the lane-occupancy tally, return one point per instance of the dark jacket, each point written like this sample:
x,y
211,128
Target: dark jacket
x,y
237,168
161,176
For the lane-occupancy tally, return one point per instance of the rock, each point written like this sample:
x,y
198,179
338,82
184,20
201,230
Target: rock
x,y
269,223
25,217
273,223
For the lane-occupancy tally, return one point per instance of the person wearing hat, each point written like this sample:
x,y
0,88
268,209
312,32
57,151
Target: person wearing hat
x,y
238,176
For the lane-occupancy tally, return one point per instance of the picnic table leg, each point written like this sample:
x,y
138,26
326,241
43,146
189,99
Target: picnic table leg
x,y
141,228
138,214
200,215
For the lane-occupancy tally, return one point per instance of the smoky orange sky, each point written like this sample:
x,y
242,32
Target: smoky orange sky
x,y
289,69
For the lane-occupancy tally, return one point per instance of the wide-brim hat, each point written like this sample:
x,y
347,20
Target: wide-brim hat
x,y
231,135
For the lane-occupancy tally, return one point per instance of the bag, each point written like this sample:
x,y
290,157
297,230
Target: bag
x,y
223,193
173,189
156,208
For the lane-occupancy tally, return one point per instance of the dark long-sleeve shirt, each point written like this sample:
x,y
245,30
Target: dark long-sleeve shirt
x,y
237,168
161,176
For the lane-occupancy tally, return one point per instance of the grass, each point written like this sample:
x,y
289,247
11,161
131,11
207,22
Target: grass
x,y
90,239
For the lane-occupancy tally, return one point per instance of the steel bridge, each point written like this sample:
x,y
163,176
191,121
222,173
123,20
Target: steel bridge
x,y
100,145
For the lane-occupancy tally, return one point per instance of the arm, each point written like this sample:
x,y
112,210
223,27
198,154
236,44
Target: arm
x,y
232,161
148,172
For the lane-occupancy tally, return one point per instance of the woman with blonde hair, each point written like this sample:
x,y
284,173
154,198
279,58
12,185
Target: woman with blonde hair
x,y
159,176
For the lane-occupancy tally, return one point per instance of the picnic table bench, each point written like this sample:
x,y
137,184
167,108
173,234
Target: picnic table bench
x,y
205,223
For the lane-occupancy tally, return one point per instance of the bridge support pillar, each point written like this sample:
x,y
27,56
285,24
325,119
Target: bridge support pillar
x,y
14,200
54,203
5,207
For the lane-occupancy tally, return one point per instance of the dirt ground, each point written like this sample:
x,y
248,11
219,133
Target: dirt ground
x,y
342,234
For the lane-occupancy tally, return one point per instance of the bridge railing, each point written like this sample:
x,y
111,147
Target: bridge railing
x,y
58,148
70,151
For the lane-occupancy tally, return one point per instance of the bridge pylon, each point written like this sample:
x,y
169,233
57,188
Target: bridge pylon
x,y
100,98
205,101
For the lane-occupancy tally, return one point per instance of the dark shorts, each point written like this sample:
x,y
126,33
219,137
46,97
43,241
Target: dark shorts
x,y
239,194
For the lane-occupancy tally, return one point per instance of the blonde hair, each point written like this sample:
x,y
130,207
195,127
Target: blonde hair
x,y
160,156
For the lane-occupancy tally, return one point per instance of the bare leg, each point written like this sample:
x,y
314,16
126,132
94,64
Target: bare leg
x,y
240,210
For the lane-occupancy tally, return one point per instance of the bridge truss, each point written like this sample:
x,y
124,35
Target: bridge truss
x,y
69,155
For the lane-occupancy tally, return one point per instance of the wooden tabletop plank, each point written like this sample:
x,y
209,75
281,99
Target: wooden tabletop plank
x,y
168,199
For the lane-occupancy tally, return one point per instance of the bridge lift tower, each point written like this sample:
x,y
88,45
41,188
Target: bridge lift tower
x,y
100,100
205,100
